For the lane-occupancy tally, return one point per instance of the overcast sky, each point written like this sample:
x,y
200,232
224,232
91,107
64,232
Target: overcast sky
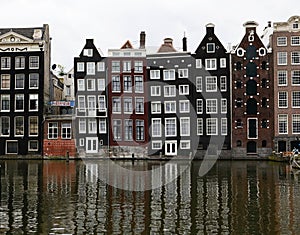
x,y
110,23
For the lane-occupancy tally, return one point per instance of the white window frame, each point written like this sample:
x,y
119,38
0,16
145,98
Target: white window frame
x,y
155,90
155,107
51,135
281,76
115,66
20,62
210,121
170,91
20,76
198,63
185,128
19,110
80,66
223,83
37,100
154,74
116,105
185,144
295,57
224,127
295,75
174,130
90,68
81,103
66,130
101,84
211,64
156,142
88,52
34,122
223,63
169,74
282,58
210,44
183,73
210,107
295,41
295,102
100,66
283,118
199,126
4,79
127,105
11,141
296,117
91,84
34,62
102,126
199,106
211,86
92,126
82,125
223,105
5,63
184,89
1,100
138,84
33,149
280,100
32,76
199,84
80,84
22,126
128,130
127,66
127,83
156,128
137,109
281,41
115,83
170,106
138,66
184,106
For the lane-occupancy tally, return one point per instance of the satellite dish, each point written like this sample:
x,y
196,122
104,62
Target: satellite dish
x,y
53,66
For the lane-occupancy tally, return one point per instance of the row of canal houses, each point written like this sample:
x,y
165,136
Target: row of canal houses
x,y
161,101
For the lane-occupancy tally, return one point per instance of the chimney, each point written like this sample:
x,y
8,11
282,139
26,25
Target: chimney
x,y
210,28
142,40
269,24
184,43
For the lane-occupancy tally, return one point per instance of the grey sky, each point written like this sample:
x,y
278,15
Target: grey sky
x,y
112,22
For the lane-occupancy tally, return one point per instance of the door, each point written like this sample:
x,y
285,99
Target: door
x,y
281,146
92,106
171,148
251,147
252,128
91,145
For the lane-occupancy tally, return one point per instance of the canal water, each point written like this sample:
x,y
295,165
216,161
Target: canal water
x,y
234,197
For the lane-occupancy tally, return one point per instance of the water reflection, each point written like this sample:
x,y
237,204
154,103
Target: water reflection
x,y
56,197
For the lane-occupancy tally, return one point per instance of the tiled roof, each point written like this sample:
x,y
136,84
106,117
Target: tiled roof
x,y
27,32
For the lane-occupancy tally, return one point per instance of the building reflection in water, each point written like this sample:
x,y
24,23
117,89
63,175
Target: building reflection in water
x,y
58,197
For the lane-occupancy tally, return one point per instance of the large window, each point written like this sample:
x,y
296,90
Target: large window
x,y
115,66
281,58
183,73
140,129
116,105
33,81
82,125
80,84
184,106
138,66
295,58
5,81
170,91
199,84
116,85
296,123
184,126
33,62
211,106
211,126
282,78
170,126
90,68
155,107
91,84
156,127
101,84
128,129
66,130
5,126
52,130
281,41
282,123
127,104
282,99
183,89
117,132
169,74
210,64
92,126
101,103
5,63
126,66
101,66
33,102
154,74
33,126
296,99
19,81
80,67
211,84
127,84
138,84
155,90
81,103
296,77
139,105
102,125
19,102
170,106
295,40
19,62
5,103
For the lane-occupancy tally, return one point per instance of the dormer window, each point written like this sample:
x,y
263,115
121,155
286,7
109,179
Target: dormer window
x,y
210,47
88,52
295,25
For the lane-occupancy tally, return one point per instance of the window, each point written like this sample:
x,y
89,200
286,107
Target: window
x,y
185,126
5,103
155,90
170,106
295,57
223,105
296,77
82,125
199,126
128,130
281,58
156,127
251,87
127,83
282,99
185,144
5,63
80,67
139,105
210,47
52,130
295,26
211,84
138,84
5,126
296,99
102,125
154,74
116,105
183,89
282,78
238,66
210,64
198,63
88,52
33,145
66,130
33,102
101,66
117,133
169,74
33,81
127,104
19,102
183,73
296,123
239,102
223,126
138,66
81,103
281,41
80,85
155,107
126,66
90,67
170,126
211,106
5,81
211,126
264,102
223,84
19,83
239,123
295,40
282,123
33,62
68,90
264,123
33,126
199,106
199,84
170,91
156,144
223,63
81,142
91,84
239,84
139,129
19,62
92,126
184,106
101,84
11,147
264,83
116,84
115,66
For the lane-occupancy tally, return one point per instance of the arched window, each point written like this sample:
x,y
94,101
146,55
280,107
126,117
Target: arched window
x,y
251,106
239,123
264,102
238,143
251,52
251,70
264,123
238,66
251,87
264,83
264,143
239,102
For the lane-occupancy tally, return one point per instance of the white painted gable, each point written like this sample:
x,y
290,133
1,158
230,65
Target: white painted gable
x,y
13,37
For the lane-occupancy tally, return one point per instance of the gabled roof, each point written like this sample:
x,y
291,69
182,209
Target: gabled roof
x,y
26,33
167,46
11,35
127,45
